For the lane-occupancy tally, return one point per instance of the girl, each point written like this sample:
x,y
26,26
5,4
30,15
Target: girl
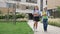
x,y
36,14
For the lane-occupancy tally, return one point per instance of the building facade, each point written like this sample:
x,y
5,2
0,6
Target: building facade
x,y
21,5
53,4
28,5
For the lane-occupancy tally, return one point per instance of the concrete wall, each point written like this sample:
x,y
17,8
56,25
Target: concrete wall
x,y
53,4
5,10
2,4
23,0
44,4
38,2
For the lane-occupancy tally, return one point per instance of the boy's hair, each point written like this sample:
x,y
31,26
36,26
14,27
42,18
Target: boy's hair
x,y
43,13
45,8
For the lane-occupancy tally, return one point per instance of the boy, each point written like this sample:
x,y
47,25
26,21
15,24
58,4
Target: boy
x,y
45,15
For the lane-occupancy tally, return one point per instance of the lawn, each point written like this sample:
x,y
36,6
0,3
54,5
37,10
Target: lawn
x,y
19,28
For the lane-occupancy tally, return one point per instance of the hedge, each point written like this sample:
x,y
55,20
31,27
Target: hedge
x,y
12,16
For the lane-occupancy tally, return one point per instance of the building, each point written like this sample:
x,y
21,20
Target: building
x,y
23,5
27,6
52,4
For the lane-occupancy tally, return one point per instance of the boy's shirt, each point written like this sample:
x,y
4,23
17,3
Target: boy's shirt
x,y
45,17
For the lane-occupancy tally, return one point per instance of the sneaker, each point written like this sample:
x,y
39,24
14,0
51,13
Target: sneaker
x,y
45,30
33,28
36,30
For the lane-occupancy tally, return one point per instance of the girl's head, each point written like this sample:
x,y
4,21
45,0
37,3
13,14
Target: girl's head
x,y
36,8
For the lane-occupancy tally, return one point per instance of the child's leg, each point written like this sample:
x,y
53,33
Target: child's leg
x,y
45,24
35,24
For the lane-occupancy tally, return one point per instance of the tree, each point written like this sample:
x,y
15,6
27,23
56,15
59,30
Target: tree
x,y
0,12
58,11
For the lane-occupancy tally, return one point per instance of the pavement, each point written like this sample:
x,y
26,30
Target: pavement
x,y
50,29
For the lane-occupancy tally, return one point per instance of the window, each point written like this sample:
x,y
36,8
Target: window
x,y
31,1
10,5
30,7
28,0
17,0
27,7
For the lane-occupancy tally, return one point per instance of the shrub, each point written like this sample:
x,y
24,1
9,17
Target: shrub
x,y
12,16
54,24
58,12
20,16
2,17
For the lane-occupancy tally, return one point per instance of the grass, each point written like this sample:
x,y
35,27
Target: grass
x,y
19,28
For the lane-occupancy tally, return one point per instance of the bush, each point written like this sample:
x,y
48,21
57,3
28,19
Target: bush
x,y
58,12
20,16
12,16
2,17
54,24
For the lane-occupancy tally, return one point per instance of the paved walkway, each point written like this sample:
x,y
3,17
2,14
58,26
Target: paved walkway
x,y
51,29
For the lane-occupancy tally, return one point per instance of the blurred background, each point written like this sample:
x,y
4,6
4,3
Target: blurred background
x,y
21,10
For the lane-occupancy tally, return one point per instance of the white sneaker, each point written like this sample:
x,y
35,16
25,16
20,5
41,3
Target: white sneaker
x,y
36,30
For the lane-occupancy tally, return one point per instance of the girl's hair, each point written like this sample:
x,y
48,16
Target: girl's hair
x,y
37,8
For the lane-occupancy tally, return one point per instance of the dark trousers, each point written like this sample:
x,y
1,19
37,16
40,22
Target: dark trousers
x,y
45,24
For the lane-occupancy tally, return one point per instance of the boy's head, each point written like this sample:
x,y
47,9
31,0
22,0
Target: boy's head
x,y
44,13
45,9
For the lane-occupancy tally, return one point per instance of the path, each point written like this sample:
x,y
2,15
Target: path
x,y
51,29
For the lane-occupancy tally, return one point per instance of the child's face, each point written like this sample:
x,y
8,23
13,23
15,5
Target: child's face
x,y
45,9
36,8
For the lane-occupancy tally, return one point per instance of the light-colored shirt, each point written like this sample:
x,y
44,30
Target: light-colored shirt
x,y
37,12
